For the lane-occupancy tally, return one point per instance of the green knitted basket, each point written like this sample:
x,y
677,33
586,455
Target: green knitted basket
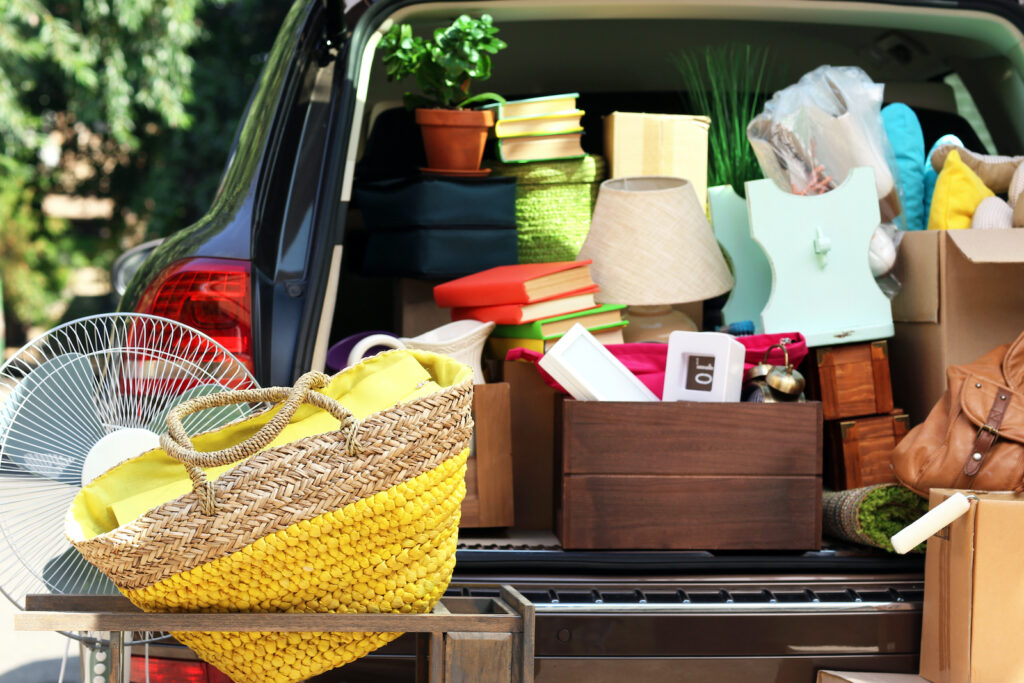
x,y
554,202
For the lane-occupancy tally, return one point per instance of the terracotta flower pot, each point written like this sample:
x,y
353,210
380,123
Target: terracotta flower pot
x,y
454,138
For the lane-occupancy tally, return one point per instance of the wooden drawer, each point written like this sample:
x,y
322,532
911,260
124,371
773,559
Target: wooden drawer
x,y
488,501
689,476
858,452
852,380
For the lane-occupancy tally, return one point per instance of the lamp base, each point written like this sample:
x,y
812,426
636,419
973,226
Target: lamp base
x,y
654,323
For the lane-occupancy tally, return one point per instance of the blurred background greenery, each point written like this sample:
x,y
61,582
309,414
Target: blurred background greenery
x,y
116,118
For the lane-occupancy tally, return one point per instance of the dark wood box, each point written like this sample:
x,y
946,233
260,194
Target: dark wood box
x,y
858,452
533,405
851,380
689,476
488,501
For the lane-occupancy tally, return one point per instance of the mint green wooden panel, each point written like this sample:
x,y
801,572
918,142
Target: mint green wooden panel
x,y
750,265
817,248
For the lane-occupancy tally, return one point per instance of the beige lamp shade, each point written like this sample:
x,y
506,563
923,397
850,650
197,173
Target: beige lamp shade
x,y
651,244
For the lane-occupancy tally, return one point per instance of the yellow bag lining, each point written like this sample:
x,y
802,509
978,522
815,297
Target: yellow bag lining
x,y
129,490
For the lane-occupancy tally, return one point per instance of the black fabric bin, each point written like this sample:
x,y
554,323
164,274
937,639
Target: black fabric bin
x,y
437,202
438,252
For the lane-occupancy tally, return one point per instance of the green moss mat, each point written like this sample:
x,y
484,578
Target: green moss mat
x,y
872,514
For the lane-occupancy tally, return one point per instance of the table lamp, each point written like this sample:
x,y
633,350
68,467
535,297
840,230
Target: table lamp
x,y
652,247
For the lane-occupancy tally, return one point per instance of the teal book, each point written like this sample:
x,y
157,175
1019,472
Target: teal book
x,y
533,106
599,318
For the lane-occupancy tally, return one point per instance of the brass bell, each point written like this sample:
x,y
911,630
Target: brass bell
x,y
762,393
785,380
761,370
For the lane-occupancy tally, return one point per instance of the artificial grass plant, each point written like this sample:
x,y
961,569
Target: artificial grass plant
x,y
726,83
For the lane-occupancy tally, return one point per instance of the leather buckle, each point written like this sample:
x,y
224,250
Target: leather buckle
x,y
987,428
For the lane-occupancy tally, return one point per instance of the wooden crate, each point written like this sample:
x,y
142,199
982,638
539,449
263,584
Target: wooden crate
x,y
488,501
858,452
851,380
688,476
533,446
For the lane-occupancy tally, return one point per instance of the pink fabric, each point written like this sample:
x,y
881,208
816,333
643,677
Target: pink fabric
x,y
757,344
647,360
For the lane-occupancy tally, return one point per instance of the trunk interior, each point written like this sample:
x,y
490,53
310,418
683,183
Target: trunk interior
x,y
960,70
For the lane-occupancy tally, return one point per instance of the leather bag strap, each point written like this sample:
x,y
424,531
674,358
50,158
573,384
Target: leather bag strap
x,y
987,433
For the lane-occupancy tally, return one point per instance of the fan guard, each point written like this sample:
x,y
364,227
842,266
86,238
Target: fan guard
x,y
106,379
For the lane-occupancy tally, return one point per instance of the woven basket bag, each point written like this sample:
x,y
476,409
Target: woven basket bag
x,y
362,517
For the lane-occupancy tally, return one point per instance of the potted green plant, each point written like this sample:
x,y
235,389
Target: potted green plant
x,y
453,135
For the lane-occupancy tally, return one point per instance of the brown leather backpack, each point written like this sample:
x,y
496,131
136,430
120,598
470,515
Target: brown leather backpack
x,y
974,436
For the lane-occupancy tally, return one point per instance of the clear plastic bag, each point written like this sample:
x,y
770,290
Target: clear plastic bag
x,y
814,132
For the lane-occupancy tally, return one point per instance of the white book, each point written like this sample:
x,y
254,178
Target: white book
x,y
589,371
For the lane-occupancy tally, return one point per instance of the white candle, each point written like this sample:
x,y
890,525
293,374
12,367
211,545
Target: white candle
x,y
932,521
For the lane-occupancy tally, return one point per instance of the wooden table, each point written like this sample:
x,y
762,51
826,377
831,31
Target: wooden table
x,y
462,640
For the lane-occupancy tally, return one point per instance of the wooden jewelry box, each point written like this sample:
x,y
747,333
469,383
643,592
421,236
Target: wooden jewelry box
x,y
850,380
858,452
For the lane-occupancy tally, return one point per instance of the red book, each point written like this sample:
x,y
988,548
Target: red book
x,y
524,283
515,314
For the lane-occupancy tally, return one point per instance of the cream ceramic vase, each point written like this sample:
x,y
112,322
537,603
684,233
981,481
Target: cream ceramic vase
x,y
462,340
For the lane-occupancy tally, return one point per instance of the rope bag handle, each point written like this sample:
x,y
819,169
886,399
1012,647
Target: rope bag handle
x,y
177,444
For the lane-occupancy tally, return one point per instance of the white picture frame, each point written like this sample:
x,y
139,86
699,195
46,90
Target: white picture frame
x,y
589,371
703,366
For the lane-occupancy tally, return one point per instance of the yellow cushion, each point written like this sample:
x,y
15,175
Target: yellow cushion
x,y
958,191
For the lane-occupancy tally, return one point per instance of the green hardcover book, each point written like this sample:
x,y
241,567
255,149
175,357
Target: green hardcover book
x,y
558,123
594,319
498,347
544,147
549,104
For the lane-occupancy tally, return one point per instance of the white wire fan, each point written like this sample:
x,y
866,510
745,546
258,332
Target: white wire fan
x,y
76,401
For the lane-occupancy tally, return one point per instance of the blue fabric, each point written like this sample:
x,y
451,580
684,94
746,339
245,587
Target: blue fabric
x,y
930,174
907,141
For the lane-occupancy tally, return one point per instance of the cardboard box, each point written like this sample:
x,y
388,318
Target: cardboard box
x,y
689,476
867,677
962,296
659,144
974,593
415,311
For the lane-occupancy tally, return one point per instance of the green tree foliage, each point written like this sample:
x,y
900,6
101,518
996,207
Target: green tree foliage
x,y
105,60
184,165
130,100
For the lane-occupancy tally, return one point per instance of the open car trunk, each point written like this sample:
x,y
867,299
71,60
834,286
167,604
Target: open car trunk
x,y
960,68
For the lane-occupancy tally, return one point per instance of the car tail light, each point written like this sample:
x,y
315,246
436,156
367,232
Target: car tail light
x,y
162,670
210,295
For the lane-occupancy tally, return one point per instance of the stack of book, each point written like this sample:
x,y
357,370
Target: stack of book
x,y
538,129
532,304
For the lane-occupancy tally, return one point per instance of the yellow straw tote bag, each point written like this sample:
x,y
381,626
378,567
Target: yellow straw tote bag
x,y
343,498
